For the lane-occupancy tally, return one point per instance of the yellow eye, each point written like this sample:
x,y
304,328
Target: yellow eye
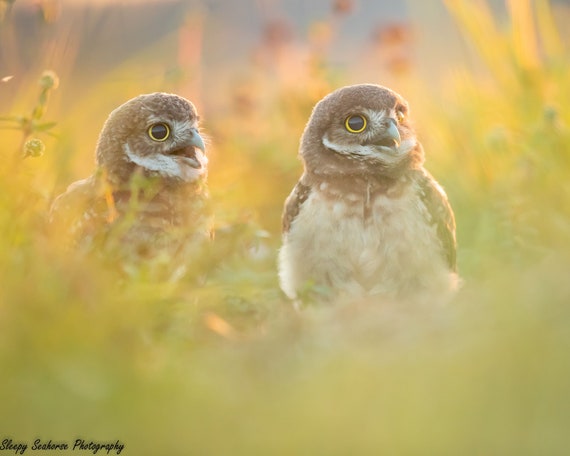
x,y
355,124
159,132
400,116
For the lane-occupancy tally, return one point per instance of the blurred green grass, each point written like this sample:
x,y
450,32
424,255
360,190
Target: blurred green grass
x,y
218,363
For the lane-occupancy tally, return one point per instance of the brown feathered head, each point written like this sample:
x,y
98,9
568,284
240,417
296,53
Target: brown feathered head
x,y
360,130
157,133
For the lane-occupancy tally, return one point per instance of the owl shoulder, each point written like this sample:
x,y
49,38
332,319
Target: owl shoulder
x,y
70,209
441,213
293,204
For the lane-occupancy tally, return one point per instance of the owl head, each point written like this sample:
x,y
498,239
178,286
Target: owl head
x,y
360,130
157,133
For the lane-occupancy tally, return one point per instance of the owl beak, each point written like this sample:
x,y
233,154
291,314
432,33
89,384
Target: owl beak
x,y
188,151
197,141
389,136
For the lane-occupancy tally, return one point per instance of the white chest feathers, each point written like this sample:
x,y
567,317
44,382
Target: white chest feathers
x,y
364,245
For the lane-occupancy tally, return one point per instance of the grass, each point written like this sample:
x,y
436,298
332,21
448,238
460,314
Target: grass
x,y
218,363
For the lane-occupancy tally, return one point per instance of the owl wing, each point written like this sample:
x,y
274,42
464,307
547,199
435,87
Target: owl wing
x,y
438,206
79,209
293,204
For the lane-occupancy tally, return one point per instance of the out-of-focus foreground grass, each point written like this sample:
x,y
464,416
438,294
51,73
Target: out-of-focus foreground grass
x,y
218,363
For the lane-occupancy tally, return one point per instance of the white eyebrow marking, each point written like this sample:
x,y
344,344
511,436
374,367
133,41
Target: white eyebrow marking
x,y
374,117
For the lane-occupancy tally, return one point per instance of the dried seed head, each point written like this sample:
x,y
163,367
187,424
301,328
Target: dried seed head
x,y
34,148
49,80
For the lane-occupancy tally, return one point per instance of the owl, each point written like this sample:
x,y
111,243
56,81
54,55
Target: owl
x,y
366,219
148,192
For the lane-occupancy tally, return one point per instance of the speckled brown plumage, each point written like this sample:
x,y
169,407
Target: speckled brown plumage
x,y
147,195
366,218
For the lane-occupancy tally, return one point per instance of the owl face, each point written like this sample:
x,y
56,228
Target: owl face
x,y
360,129
157,133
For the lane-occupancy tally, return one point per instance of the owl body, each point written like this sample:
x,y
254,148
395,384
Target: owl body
x,y
148,193
366,219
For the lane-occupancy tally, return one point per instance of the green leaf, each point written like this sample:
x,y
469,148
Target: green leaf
x,y
9,119
44,126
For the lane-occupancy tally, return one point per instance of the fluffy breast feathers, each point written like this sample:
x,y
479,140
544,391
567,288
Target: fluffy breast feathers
x,y
394,243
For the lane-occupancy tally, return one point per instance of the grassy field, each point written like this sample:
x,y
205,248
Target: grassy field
x,y
218,363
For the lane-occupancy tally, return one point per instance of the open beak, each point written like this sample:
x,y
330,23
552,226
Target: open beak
x,y
189,150
197,140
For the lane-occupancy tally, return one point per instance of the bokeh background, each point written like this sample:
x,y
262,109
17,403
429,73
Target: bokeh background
x,y
217,362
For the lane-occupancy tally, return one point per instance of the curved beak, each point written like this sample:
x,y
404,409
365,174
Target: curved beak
x,y
389,136
197,141
188,150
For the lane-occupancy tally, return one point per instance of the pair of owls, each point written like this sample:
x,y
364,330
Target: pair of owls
x,y
365,218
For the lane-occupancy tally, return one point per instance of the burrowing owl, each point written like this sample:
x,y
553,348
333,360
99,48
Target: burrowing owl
x,y
149,190
366,218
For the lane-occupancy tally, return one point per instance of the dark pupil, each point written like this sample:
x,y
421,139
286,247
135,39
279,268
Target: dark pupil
x,y
356,123
159,131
